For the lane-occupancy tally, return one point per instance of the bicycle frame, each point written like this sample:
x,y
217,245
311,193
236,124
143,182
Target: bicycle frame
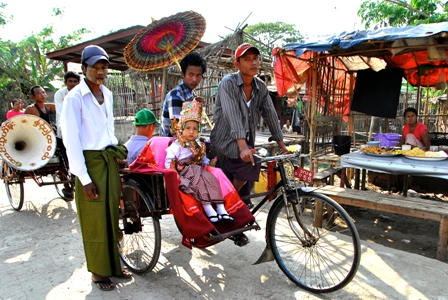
x,y
277,164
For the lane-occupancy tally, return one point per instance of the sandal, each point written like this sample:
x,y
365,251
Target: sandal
x,y
226,218
249,204
104,284
217,217
68,194
240,239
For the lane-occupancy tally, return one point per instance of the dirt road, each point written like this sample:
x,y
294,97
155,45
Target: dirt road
x,y
42,258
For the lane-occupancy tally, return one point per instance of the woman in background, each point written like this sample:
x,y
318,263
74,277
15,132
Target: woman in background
x,y
414,133
287,128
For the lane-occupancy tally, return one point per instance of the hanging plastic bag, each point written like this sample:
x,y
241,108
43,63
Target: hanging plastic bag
x,y
441,81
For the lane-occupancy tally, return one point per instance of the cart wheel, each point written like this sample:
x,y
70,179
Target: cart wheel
x,y
140,244
57,177
13,185
319,247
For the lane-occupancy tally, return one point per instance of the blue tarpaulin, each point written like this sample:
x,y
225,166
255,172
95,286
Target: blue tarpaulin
x,y
348,40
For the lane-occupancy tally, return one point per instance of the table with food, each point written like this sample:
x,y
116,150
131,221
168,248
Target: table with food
x,y
395,161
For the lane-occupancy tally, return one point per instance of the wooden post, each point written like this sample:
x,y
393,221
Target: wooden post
x,y
312,114
426,122
363,180
350,116
318,217
419,90
443,239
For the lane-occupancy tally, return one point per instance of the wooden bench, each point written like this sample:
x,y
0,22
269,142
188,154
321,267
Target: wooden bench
x,y
414,207
324,175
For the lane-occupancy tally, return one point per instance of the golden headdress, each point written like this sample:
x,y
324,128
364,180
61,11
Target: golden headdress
x,y
191,111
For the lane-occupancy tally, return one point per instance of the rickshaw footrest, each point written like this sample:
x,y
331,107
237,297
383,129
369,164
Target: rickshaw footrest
x,y
221,237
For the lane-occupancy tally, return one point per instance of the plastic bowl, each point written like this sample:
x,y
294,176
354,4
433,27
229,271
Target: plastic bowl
x,y
373,143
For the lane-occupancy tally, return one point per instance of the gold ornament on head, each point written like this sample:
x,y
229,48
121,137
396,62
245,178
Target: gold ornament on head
x,y
191,111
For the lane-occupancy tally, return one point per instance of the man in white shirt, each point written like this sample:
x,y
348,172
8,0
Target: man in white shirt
x,y
87,124
71,79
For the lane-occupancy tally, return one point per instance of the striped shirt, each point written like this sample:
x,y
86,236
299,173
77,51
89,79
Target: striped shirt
x,y
173,106
234,119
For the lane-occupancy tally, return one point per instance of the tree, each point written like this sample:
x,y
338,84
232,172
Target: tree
x,y
397,13
268,35
24,64
3,19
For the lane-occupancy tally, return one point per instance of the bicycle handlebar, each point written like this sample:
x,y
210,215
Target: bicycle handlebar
x,y
277,157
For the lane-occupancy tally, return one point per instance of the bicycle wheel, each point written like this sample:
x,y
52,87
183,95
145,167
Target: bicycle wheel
x,y
140,245
13,186
319,249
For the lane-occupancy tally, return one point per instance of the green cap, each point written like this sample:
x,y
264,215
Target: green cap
x,y
145,117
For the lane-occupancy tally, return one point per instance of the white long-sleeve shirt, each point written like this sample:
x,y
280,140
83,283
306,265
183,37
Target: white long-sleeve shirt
x,y
176,150
58,102
86,125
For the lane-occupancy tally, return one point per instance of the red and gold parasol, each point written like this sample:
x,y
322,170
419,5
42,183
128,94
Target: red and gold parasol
x,y
165,41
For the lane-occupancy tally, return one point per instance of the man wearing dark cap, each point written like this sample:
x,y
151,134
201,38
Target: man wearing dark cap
x,y
241,100
145,123
87,124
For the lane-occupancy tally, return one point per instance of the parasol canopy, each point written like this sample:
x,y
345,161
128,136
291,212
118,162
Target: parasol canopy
x,y
165,41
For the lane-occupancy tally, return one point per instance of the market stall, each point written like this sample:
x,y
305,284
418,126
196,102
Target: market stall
x,y
338,69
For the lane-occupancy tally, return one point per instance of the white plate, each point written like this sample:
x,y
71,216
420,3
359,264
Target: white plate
x,y
381,155
425,158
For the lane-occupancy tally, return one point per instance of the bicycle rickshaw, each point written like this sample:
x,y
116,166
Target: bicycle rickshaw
x,y
311,237
28,150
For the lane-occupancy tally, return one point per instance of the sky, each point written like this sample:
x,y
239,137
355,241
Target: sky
x,y
311,18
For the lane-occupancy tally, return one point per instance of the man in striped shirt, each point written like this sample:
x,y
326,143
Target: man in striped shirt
x,y
241,100
193,68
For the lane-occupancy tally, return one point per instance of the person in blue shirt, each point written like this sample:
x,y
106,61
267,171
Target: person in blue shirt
x,y
145,123
193,68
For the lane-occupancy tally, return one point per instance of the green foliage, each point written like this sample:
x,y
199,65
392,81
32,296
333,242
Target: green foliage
x,y
3,19
268,35
397,13
24,64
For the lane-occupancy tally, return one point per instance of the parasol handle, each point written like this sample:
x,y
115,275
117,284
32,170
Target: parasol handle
x,y
169,49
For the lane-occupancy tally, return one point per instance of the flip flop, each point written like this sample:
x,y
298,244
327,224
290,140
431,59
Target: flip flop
x,y
124,274
101,282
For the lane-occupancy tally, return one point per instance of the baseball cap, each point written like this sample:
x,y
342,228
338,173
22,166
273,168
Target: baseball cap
x,y
145,117
243,48
91,54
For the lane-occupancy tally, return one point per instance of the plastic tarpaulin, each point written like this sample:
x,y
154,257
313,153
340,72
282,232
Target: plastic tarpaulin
x,y
420,50
289,70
